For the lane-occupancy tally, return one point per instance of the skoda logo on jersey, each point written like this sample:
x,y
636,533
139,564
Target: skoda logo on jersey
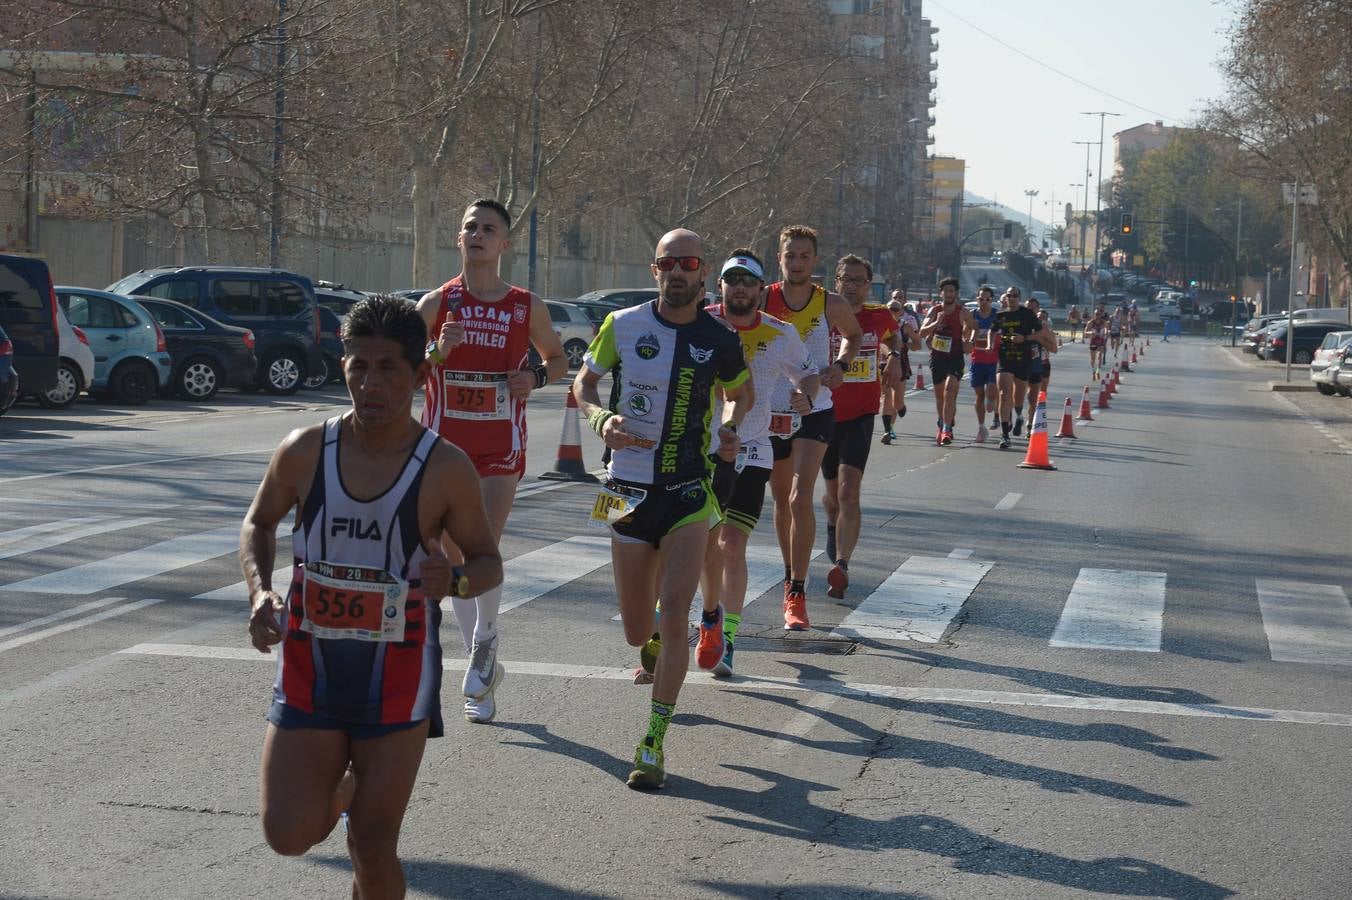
x,y
640,405
700,356
647,347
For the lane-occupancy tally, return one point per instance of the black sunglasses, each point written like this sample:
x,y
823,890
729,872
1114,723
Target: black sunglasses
x,y
745,279
667,263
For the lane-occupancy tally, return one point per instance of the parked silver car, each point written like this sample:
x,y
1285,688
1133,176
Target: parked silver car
x,y
1327,360
574,329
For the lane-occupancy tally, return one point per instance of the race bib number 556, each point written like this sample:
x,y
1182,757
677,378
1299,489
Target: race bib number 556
x,y
353,602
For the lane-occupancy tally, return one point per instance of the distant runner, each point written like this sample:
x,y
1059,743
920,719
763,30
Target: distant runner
x,y
985,359
948,329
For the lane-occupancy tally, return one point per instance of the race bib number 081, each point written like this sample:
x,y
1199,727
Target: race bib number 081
x,y
864,367
476,396
353,603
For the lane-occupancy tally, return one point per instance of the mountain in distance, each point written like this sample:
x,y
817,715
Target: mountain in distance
x,y
1009,212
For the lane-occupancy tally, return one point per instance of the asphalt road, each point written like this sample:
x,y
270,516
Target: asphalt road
x,y
1135,680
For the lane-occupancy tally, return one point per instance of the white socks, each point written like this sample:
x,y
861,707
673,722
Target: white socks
x,y
477,616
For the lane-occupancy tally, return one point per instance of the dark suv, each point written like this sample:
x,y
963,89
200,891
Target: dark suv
x,y
277,306
28,315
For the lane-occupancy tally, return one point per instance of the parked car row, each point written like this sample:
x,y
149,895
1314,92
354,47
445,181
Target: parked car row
x,y
1306,337
1331,368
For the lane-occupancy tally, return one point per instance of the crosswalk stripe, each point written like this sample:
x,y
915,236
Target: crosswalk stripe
x,y
1113,609
125,568
52,534
281,582
764,570
917,602
78,623
58,616
1306,623
538,572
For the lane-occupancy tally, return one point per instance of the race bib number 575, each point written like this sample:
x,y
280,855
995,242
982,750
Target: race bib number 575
x,y
476,396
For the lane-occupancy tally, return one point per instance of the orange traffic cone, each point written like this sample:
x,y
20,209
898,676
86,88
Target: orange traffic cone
x,y
1085,414
1036,458
920,379
1113,382
1067,425
1133,357
1103,395
1123,365
569,466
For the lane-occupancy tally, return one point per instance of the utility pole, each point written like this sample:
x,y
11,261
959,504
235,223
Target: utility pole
x,y
1239,287
533,247
278,146
1098,184
31,162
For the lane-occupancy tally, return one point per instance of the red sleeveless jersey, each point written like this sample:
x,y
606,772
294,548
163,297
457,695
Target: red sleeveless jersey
x,y
467,401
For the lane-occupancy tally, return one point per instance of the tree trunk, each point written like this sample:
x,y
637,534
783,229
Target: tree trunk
x,y
425,275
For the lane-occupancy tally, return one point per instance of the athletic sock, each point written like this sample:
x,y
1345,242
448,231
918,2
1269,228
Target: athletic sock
x,y
709,617
797,587
658,720
887,423
1005,427
466,615
486,606
730,623
788,575
844,564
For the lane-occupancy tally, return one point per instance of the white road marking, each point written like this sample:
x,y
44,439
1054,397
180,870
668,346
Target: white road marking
x,y
85,470
1306,623
281,581
801,722
58,616
1111,609
538,572
839,688
1008,501
165,556
54,534
961,553
544,487
78,623
917,602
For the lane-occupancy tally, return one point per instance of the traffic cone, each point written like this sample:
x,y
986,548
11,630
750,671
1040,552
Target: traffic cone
x,y
1036,457
1133,357
1085,414
1067,425
1112,382
1123,365
569,466
1103,396
920,379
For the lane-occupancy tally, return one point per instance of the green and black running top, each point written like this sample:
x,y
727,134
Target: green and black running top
x,y
666,375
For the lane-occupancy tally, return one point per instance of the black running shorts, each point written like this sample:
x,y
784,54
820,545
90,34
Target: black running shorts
x,y
817,426
743,508
849,446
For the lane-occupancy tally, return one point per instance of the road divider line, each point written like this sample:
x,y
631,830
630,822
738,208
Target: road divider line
x,y
1306,623
918,695
78,623
58,616
85,470
1008,502
917,602
62,534
165,556
961,553
1112,609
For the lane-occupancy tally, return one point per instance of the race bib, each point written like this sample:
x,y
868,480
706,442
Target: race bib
x,y
941,343
356,603
476,396
614,502
756,454
864,367
785,425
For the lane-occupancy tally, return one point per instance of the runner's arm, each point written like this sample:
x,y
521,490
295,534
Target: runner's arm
x,y
842,319
554,362
892,367
601,357
464,517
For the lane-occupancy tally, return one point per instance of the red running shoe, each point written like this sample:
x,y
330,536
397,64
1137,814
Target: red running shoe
x,y
709,651
795,612
837,580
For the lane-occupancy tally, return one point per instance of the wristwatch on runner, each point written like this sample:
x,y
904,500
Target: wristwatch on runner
x,y
434,354
459,582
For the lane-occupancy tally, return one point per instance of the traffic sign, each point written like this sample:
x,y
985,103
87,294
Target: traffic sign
x,y
1308,195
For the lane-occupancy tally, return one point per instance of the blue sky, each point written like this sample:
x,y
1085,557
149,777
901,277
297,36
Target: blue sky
x,y
1014,121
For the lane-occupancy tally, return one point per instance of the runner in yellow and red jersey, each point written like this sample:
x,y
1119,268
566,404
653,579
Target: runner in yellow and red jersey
x,y
856,404
483,329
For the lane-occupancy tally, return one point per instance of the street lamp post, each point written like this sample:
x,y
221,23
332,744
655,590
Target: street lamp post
x,y
1088,176
1028,232
1098,184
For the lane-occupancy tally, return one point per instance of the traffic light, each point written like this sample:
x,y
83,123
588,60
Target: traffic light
x,y
1126,223
1009,231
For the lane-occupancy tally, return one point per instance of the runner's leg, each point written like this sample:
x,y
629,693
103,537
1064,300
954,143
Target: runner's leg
x,y
635,568
951,385
385,769
807,462
849,516
299,778
781,490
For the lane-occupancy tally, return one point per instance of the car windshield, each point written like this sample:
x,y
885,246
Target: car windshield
x,y
128,284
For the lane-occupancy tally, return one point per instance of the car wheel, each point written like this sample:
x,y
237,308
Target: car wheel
x,y
282,372
199,379
132,383
67,387
319,377
576,350
1326,389
1301,358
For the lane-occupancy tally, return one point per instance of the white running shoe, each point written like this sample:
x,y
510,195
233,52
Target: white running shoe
x,y
480,711
482,675
982,434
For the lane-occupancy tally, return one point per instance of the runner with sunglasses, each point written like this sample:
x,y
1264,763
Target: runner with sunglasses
x,y
658,501
774,353
856,404
798,449
475,397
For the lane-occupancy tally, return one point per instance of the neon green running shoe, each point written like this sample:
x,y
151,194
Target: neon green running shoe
x,y
649,772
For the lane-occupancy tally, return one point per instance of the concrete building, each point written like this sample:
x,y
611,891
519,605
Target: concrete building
x,y
946,191
1150,136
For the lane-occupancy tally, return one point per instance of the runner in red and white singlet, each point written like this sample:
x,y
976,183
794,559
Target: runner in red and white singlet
x,y
482,330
